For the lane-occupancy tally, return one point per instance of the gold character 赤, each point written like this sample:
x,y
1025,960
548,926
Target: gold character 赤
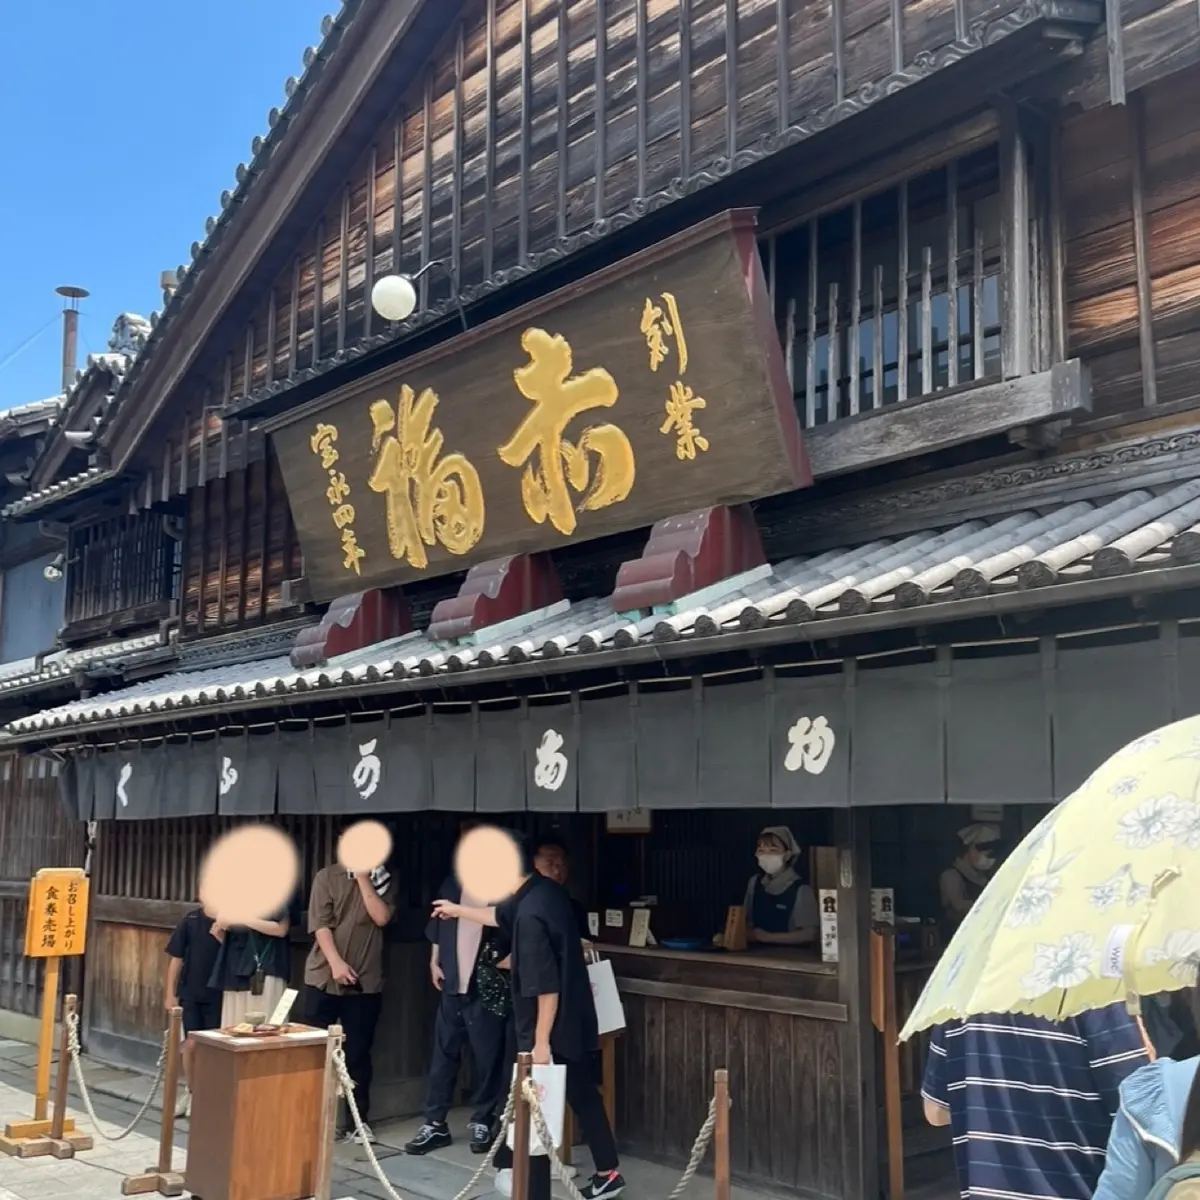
x,y
428,501
558,398
681,405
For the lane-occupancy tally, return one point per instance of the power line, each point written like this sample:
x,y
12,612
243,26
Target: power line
x,y
37,333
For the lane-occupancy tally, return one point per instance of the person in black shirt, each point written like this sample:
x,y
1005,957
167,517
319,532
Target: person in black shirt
x,y
192,955
475,1006
550,858
555,1017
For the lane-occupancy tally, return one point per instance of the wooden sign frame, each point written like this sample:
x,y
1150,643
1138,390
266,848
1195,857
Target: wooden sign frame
x,y
654,387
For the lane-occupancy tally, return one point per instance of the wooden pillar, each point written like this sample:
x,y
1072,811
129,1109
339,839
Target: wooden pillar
x,y
859,1115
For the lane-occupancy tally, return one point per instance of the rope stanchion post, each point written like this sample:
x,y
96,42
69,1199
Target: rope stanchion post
x,y
65,1141
329,1102
521,1122
722,1176
162,1177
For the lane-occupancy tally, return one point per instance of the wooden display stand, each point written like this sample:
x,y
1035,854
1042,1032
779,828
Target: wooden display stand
x,y
260,1124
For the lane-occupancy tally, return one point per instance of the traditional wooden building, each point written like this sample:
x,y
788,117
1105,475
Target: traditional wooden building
x,y
891,512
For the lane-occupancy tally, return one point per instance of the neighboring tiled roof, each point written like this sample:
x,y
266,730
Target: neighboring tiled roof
x,y
1136,531
57,491
33,413
33,672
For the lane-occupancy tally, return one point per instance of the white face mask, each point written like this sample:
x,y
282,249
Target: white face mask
x,y
984,861
772,864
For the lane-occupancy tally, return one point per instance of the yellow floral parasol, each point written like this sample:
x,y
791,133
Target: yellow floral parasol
x,y
1101,902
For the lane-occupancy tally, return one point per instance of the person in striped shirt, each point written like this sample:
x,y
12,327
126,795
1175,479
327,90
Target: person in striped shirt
x,y
1030,1102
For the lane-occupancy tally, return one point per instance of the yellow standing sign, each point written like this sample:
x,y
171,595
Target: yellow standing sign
x,y
56,924
55,927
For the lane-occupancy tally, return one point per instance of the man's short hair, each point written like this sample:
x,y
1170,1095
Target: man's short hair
x,y
548,841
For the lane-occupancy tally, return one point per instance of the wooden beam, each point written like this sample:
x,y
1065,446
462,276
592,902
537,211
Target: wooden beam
x,y
947,418
819,1010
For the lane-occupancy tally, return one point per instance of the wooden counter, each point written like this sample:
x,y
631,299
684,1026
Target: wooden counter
x,y
773,1018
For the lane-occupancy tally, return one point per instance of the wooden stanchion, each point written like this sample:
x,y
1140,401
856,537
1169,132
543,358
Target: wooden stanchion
x,y
884,1018
162,1177
722,1176
329,1104
63,1144
521,1123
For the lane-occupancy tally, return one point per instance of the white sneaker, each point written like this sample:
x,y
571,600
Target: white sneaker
x,y
184,1107
361,1137
503,1182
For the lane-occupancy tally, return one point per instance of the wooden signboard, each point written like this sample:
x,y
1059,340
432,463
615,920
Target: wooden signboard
x,y
654,387
56,921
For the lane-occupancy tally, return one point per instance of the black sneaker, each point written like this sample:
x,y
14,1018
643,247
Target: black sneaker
x,y
481,1137
429,1137
603,1187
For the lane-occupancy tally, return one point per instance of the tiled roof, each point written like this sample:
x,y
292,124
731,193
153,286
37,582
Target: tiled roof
x,y
1136,531
32,413
57,491
297,88
33,672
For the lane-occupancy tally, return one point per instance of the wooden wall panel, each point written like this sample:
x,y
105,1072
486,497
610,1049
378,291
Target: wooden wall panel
x,y
1130,176
784,1082
34,833
235,525
538,120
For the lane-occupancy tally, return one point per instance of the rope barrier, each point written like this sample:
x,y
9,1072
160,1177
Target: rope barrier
x,y
77,1068
558,1168
346,1087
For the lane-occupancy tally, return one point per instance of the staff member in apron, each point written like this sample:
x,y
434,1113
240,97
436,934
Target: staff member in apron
x,y
781,908
962,883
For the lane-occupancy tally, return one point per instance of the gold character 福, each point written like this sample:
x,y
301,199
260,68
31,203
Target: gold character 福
x,y
558,398
427,501
682,404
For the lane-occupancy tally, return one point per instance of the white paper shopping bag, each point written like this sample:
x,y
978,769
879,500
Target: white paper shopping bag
x,y
610,1012
551,1084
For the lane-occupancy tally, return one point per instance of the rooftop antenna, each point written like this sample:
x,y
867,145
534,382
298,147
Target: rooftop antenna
x,y
70,355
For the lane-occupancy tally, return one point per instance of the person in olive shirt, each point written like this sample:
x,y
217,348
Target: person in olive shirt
x,y
343,977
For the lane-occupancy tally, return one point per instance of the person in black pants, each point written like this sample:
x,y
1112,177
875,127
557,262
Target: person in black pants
x,y
192,954
343,977
475,1007
555,1018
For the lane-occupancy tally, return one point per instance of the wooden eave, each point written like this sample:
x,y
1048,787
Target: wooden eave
x,y
383,45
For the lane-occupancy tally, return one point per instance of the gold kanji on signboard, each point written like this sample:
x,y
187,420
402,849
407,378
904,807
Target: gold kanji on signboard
x,y
56,923
338,493
429,500
558,398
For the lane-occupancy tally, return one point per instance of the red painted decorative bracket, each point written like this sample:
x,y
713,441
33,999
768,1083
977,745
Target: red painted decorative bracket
x,y
496,591
687,553
352,622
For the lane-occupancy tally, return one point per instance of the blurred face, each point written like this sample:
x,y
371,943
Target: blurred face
x,y
551,862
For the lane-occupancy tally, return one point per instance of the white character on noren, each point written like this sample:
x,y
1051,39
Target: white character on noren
x,y
368,770
552,764
812,744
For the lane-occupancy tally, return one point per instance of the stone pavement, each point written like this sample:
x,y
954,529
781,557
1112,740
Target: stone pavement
x,y
117,1094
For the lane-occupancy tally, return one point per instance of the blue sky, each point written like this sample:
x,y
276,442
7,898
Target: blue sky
x,y
121,123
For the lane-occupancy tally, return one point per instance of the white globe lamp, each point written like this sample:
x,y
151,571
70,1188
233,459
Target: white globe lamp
x,y
394,298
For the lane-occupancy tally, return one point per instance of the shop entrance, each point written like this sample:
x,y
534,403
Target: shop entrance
x,y
911,846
